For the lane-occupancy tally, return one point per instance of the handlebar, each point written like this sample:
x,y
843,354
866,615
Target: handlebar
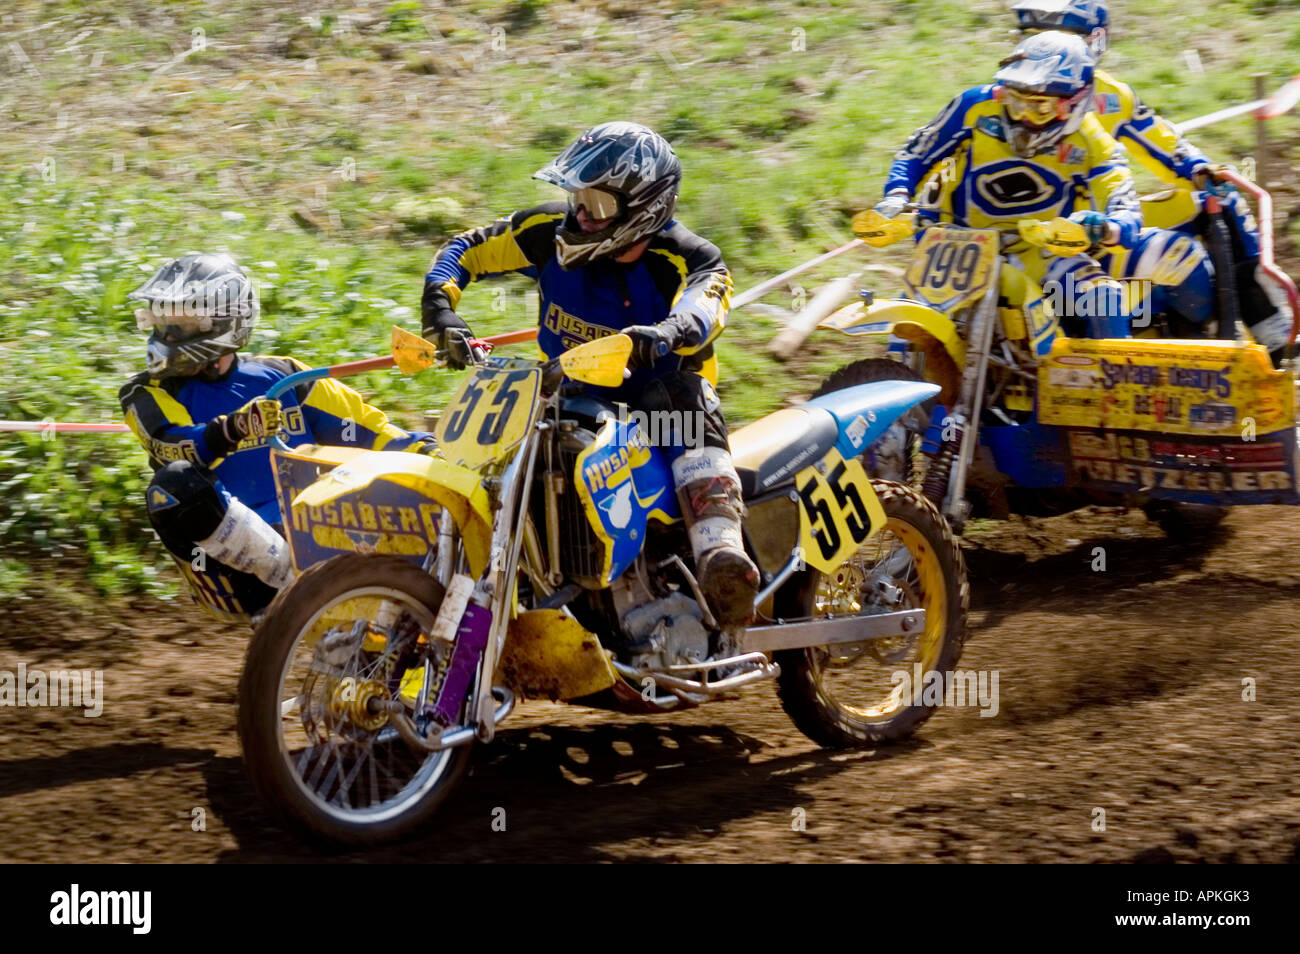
x,y
481,348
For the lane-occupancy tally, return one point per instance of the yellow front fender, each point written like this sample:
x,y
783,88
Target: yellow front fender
x,y
458,489
931,331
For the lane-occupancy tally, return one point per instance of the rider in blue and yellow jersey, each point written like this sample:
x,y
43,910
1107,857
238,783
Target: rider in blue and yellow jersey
x,y
1178,164
611,260
201,413
1027,146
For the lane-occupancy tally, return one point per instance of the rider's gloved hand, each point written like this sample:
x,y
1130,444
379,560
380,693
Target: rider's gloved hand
x,y
892,205
429,448
441,325
649,344
260,417
1094,223
1205,178
455,344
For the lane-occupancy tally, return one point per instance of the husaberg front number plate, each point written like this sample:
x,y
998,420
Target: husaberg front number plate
x,y
952,266
489,415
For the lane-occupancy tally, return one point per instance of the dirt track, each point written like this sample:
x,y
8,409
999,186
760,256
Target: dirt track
x,y
1120,690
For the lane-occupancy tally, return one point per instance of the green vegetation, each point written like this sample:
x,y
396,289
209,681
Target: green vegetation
x,y
332,146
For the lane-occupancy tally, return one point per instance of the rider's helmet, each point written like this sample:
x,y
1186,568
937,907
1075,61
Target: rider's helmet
x,y
1045,88
198,308
625,176
1088,18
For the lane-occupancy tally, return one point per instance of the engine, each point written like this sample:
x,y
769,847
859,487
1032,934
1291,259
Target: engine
x,y
658,631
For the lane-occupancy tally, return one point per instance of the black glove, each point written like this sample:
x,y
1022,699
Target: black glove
x,y
649,344
438,321
454,343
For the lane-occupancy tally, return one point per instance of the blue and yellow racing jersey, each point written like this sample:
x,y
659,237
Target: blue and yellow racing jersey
x,y
170,416
679,275
984,184
1149,139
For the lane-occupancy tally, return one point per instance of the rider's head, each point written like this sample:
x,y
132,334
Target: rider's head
x,y
198,308
622,180
1088,18
1045,88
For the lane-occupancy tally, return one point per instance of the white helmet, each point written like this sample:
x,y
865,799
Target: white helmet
x,y
1045,87
1088,18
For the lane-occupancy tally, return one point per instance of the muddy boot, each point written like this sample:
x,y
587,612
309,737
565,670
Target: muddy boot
x,y
709,491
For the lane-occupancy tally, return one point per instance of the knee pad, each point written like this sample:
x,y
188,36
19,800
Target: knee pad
x,y
185,504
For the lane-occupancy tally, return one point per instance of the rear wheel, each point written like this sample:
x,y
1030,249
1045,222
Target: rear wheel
x,y
849,694
895,454
1186,522
318,750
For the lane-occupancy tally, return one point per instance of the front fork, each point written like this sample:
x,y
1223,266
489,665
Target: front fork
x,y
496,588
957,454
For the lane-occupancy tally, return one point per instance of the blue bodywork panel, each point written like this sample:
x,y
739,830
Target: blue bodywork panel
x,y
865,411
628,480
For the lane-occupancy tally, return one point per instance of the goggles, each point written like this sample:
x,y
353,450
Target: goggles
x,y
599,204
1035,108
173,329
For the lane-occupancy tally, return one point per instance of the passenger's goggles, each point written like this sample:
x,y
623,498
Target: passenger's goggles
x,y
1036,108
598,203
173,329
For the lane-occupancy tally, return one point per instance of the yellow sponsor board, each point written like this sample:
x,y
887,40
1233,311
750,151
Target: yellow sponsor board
x,y
1213,388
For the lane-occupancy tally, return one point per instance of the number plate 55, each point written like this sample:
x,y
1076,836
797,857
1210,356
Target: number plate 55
x,y
838,511
952,266
489,415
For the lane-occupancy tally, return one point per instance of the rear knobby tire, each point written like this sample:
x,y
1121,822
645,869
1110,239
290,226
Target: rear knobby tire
x,y
1186,523
935,580
261,693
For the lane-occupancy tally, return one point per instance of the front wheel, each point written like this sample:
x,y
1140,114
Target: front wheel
x,y
345,634
852,694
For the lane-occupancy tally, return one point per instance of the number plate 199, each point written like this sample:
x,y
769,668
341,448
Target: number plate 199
x,y
952,266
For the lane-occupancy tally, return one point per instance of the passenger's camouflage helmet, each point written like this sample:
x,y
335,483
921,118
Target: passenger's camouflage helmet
x,y
198,308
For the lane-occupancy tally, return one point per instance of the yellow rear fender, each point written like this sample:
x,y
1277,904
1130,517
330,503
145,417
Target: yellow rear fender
x,y
932,332
458,489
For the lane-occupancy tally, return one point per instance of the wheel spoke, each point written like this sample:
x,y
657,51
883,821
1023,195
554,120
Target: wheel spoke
x,y
337,764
